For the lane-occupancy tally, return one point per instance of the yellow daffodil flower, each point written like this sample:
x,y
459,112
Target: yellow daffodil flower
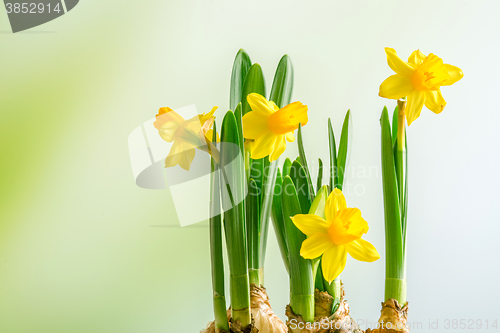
x,y
270,127
336,236
419,80
186,135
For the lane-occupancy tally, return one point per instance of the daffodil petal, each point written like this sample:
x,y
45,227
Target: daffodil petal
x,y
211,113
264,145
260,104
186,158
414,105
180,153
455,75
290,137
334,203
416,58
203,118
254,125
167,130
397,64
333,262
315,246
362,250
280,147
172,158
434,101
396,86
310,224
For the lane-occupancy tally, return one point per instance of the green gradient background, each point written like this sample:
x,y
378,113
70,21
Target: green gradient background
x,y
78,252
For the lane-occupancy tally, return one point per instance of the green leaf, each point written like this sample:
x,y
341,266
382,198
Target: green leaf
x,y
333,156
335,290
301,273
319,202
303,161
254,83
299,177
253,230
401,164
404,217
270,170
319,182
241,66
291,207
238,113
278,220
287,165
318,280
234,219
318,208
257,173
281,91
343,149
393,232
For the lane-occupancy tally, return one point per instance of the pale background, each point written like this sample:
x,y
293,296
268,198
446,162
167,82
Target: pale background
x,y
77,250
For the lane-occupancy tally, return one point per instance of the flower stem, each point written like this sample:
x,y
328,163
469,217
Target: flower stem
x,y
396,289
219,299
401,157
269,181
254,275
240,299
401,124
279,221
234,220
253,231
303,305
335,290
